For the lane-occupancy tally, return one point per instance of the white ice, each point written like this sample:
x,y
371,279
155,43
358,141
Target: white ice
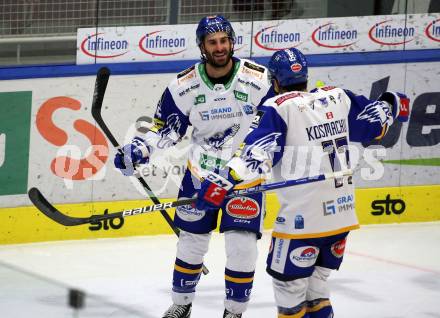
x,y
389,271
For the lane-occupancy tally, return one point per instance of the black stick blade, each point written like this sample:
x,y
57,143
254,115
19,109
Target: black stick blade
x,y
100,86
98,97
51,212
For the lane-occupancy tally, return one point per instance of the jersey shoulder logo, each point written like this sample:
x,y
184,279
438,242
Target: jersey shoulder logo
x,y
186,75
186,72
283,98
327,88
254,67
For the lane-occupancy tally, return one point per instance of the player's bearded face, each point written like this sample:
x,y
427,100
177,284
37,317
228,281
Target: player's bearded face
x,y
217,48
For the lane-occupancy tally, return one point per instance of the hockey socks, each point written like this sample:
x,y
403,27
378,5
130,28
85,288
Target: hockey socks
x,y
320,308
186,276
238,285
299,311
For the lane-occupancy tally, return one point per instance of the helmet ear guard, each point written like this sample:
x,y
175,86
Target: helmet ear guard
x,y
288,67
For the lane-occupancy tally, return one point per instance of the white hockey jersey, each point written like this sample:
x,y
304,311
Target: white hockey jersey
x,y
220,114
306,134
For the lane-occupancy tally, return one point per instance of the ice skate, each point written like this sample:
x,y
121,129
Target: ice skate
x,y
179,311
228,314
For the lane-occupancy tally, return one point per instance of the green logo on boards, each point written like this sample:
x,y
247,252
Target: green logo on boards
x,y
15,123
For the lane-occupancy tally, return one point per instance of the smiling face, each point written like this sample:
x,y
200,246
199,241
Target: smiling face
x,y
217,47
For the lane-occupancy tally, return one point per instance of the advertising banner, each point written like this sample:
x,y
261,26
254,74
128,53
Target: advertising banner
x,y
373,206
148,43
49,139
15,122
262,38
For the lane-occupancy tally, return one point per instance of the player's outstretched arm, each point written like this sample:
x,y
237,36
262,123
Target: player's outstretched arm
x,y
262,147
371,119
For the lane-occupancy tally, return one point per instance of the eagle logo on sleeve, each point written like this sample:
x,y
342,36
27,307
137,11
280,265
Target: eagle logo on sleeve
x,y
170,133
378,111
260,150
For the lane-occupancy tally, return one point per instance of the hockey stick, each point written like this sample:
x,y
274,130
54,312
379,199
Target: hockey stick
x,y
50,211
98,97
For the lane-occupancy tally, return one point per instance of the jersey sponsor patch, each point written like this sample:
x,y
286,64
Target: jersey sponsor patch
x,y
280,220
186,72
327,88
241,96
249,83
248,109
338,248
189,213
283,98
257,119
189,89
243,208
211,163
254,67
279,252
200,99
296,67
304,256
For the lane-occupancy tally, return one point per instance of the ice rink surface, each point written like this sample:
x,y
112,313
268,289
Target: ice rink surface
x,y
389,271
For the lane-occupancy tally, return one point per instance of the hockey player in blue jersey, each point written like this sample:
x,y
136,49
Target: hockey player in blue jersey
x,y
300,133
218,97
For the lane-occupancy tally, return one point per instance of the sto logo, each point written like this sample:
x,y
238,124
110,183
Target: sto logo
x,y
64,166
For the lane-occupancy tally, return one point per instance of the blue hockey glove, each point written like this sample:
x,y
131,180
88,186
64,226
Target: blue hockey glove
x,y
137,152
213,191
400,104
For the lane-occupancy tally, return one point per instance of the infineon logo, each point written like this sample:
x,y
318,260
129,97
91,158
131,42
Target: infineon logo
x,y
432,31
160,43
385,33
273,40
96,43
327,35
238,44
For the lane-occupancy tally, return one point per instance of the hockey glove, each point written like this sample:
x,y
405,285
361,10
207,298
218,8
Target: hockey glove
x,y
137,152
213,191
399,103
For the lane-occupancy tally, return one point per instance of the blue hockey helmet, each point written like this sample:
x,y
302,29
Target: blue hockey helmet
x,y
289,67
214,24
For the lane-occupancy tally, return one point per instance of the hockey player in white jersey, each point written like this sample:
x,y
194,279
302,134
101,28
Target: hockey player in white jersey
x,y
218,97
296,134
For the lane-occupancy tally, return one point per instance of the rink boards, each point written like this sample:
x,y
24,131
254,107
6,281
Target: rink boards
x,y
49,140
373,206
